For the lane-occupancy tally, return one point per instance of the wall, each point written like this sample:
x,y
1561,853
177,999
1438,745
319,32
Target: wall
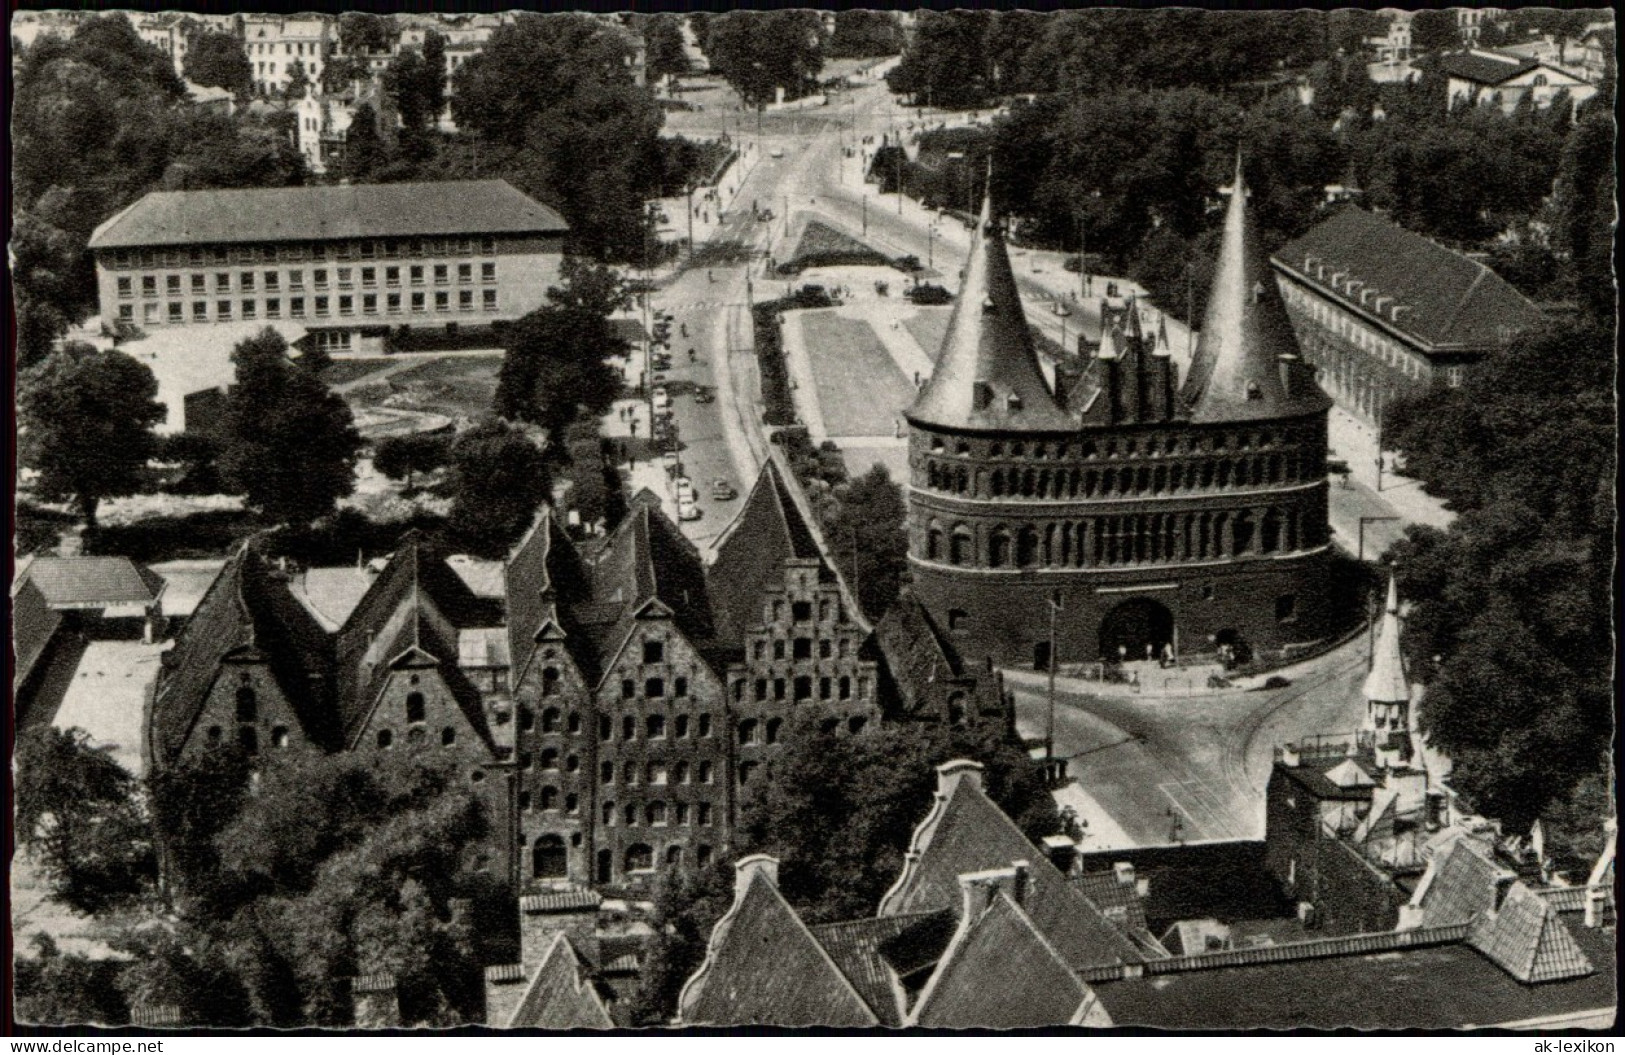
x,y
273,726
555,715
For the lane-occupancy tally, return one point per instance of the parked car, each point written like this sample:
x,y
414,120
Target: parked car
x,y
723,491
661,399
704,395
776,152
685,489
687,510
669,459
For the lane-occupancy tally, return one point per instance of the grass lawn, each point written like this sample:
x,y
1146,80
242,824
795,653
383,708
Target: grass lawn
x,y
456,386
860,389
343,371
927,326
821,245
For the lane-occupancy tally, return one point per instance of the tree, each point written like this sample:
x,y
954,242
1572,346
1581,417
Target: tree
x,y
401,457
362,32
218,60
861,34
298,83
56,988
554,363
499,478
760,52
867,535
364,149
1583,195
665,54
49,286
946,62
86,420
1435,29
78,815
290,444
1512,605
416,84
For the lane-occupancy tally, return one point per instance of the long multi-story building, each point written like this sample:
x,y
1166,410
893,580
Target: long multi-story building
x,y
276,44
350,263
1131,513
1381,312
613,704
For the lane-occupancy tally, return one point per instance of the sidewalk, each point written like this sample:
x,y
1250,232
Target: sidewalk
x,y
1356,443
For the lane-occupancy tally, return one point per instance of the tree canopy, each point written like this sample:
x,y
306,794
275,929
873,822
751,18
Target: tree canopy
x,y
86,419
864,523
664,54
863,34
554,364
760,52
218,60
499,478
290,444
1512,605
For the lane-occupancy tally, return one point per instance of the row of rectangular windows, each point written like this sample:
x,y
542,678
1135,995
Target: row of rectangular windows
x,y
654,725
655,814
802,648
197,255
246,280
658,774
321,308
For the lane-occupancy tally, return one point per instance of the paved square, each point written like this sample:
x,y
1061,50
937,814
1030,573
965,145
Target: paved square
x,y
860,389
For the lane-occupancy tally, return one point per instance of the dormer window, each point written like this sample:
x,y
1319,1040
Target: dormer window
x,y
987,306
1253,391
1013,401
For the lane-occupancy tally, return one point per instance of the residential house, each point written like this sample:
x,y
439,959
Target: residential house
x,y
276,44
1381,312
1481,77
324,120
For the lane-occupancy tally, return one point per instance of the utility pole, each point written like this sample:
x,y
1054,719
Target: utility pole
x,y
1049,719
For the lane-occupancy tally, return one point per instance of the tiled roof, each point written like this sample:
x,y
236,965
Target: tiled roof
x,y
1235,373
968,833
304,214
858,949
922,667
417,601
542,573
1442,299
987,375
1000,973
248,614
1227,881
1526,938
1440,986
82,582
1118,901
764,968
377,982
1480,68
33,623
560,994
331,594
1314,781
751,551
1462,885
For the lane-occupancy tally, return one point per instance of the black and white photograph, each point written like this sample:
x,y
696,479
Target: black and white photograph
x,y
1097,521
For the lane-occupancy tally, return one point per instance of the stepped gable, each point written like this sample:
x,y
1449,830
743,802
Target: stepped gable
x,y
415,606
1235,374
1001,973
541,575
561,995
965,832
987,376
1387,682
1526,939
645,561
247,614
763,967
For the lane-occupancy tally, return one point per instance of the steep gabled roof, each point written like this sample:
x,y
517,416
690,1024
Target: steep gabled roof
x,y
987,376
1000,973
763,967
1442,300
966,832
1527,940
1460,885
1487,69
414,608
543,570
1235,374
33,624
560,995
246,614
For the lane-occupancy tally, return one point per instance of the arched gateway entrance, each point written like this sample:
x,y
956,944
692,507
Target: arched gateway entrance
x,y
1134,624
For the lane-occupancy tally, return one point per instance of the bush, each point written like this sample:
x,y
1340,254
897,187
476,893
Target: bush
x,y
156,539
927,293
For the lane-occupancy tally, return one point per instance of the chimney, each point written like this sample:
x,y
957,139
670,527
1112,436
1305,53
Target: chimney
x,y
1289,756
978,889
1124,871
1061,851
746,868
1503,887
376,1003
1021,882
960,771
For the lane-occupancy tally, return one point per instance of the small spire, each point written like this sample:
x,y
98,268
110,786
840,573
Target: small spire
x,y
1387,682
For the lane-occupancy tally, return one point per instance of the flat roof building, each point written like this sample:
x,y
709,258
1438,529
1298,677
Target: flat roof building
x,y
350,263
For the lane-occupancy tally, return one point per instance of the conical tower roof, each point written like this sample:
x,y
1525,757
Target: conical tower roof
x,y
987,376
1387,682
1236,372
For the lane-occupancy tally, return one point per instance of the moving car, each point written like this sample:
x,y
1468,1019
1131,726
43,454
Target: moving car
x,y
776,152
685,489
687,510
723,491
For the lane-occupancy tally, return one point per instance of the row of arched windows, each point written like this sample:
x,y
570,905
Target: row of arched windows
x,y
1126,447
1251,471
1117,540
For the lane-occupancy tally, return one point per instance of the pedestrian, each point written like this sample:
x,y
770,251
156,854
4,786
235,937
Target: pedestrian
x,y
1122,653
1148,651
